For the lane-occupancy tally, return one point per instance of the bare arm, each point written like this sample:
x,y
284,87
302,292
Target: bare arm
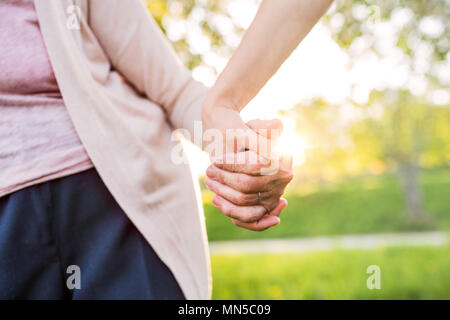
x,y
277,29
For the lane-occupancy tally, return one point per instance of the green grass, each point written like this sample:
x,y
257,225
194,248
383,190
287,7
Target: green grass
x,y
406,273
355,206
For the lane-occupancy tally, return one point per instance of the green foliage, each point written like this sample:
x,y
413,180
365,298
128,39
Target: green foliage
x,y
354,206
406,273
437,150
406,129
361,16
202,13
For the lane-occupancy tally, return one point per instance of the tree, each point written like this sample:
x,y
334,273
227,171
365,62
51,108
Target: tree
x,y
401,136
209,19
421,31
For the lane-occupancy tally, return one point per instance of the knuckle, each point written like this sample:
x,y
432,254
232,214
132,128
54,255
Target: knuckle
x,y
245,198
245,184
239,179
251,216
285,178
258,184
257,213
240,198
248,218
226,211
241,215
267,196
219,176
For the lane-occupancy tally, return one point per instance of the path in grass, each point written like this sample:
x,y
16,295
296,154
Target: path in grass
x,y
372,241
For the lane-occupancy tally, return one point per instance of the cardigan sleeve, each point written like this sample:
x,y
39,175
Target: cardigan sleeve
x,y
137,48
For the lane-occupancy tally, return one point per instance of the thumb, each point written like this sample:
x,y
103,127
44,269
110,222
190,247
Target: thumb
x,y
272,130
249,139
238,136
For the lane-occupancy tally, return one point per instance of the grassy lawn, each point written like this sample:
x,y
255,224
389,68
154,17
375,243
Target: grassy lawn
x,y
406,273
355,206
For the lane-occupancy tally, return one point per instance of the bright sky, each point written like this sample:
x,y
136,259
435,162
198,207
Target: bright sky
x,y
318,67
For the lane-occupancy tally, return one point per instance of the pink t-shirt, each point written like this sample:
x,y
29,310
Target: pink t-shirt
x,y
37,139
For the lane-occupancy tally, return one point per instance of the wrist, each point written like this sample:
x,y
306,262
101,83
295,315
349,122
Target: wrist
x,y
216,99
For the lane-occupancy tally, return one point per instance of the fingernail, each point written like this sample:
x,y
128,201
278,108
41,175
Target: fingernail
x,y
276,220
214,201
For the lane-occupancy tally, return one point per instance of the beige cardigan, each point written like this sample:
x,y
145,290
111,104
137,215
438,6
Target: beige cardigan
x,y
126,126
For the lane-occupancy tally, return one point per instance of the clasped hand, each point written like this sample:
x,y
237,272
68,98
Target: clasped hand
x,y
244,189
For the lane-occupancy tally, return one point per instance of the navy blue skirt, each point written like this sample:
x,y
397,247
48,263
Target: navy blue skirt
x,y
69,239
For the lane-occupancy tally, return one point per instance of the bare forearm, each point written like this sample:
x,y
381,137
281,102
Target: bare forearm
x,y
277,29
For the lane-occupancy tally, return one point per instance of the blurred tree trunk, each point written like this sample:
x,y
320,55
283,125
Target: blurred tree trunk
x,y
408,174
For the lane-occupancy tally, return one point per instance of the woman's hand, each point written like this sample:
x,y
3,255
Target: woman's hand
x,y
249,197
224,132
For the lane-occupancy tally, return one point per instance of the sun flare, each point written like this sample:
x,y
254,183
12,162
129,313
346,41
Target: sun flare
x,y
294,145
